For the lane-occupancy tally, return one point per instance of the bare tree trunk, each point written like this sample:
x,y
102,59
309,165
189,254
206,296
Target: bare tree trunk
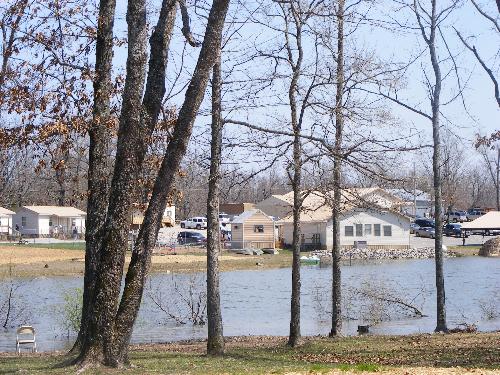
x,y
339,125
294,336
130,154
141,256
497,178
436,167
215,342
98,172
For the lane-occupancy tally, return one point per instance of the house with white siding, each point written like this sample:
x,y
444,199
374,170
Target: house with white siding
x,y
49,220
252,229
372,226
6,221
370,216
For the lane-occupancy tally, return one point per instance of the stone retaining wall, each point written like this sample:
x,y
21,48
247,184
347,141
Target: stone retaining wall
x,y
366,254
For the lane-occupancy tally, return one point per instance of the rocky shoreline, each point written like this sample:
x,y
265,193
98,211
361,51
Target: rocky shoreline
x,y
372,254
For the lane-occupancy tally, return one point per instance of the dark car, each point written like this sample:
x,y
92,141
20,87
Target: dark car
x,y
425,223
194,238
452,230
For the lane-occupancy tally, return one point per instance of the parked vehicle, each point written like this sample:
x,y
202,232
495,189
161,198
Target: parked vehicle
x,y
413,227
195,238
456,216
425,223
474,214
425,232
195,222
224,218
452,230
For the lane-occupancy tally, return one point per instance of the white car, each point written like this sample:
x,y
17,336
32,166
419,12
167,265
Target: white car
x,y
224,218
195,223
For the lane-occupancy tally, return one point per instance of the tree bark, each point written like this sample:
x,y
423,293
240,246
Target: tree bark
x,y
436,166
98,170
294,336
215,342
337,167
130,153
141,256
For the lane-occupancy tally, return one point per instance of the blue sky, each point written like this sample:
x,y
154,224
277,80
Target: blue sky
x,y
481,116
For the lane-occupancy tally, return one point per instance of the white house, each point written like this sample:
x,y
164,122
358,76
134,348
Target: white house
x,y
49,220
368,214
375,226
6,221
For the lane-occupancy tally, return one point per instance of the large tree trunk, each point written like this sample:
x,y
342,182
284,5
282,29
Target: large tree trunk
x,y
98,172
436,167
176,149
130,153
215,342
337,167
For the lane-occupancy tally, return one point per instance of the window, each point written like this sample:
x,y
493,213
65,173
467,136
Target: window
x,y
258,228
23,221
359,230
387,230
349,230
235,226
368,229
376,229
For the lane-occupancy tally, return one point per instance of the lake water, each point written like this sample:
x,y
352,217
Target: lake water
x,y
257,302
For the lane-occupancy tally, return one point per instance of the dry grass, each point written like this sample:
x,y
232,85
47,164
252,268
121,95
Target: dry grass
x,y
436,354
37,261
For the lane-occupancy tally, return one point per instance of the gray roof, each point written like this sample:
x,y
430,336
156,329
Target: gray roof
x,y
241,218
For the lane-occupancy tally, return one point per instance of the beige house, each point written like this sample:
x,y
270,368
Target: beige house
x,y
168,219
252,229
6,221
49,220
280,206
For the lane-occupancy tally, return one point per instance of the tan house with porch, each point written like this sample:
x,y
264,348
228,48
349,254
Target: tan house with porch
x,y
168,219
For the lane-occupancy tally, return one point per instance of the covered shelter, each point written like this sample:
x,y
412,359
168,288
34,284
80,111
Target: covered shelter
x,y
487,223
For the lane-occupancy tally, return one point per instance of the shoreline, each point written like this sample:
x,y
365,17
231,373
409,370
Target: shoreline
x,y
27,261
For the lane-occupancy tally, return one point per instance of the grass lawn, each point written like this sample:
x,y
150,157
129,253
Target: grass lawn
x,y
419,354
55,245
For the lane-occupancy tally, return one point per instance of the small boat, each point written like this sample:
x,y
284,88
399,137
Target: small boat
x,y
313,259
